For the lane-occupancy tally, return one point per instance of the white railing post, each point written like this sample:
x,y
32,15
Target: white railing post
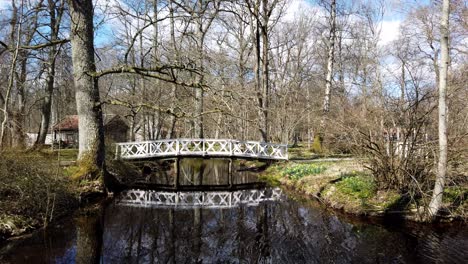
x,y
177,147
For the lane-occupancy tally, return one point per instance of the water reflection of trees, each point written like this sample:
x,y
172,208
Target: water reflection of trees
x,y
269,233
189,172
273,232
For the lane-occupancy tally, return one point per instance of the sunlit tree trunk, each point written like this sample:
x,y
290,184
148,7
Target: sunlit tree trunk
x,y
91,132
330,57
18,133
437,194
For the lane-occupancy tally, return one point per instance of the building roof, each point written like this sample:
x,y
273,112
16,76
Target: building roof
x,y
70,122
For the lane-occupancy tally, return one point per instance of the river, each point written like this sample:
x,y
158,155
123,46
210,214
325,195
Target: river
x,y
240,224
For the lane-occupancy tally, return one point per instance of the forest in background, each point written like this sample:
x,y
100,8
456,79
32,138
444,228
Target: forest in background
x,y
317,73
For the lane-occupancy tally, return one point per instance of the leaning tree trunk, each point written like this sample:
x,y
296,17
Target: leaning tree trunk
x,y
436,200
91,131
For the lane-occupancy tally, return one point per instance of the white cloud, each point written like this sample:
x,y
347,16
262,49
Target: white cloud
x,y
389,31
300,7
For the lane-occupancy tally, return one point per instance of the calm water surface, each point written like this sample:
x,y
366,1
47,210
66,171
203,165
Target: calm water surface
x,y
281,230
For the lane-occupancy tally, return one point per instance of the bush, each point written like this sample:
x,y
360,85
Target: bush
x,y
298,171
317,144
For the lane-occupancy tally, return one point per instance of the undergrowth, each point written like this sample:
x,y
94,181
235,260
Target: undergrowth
x,y
33,192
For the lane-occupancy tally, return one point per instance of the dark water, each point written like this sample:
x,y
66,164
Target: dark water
x,y
282,230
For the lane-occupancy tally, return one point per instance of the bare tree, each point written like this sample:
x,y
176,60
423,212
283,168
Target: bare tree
x,y
437,194
55,10
15,32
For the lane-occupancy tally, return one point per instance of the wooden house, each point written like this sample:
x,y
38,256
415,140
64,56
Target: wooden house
x,y
66,131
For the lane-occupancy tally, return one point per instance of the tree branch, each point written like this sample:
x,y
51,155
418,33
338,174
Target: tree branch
x,y
162,73
34,47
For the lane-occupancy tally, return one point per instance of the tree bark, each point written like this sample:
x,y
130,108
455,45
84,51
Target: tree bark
x,y
265,72
173,95
18,133
91,131
437,194
330,58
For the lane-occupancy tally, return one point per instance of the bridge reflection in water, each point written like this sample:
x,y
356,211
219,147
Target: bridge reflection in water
x,y
209,199
184,212
211,183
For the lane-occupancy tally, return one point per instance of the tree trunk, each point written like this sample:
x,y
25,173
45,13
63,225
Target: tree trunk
x,y
173,95
46,110
436,200
265,73
18,134
199,92
91,131
11,75
330,58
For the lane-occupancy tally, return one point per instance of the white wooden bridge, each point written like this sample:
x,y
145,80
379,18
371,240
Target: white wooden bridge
x,y
212,199
201,147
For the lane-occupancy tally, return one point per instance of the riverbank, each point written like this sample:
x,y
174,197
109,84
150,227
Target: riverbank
x,y
347,186
37,188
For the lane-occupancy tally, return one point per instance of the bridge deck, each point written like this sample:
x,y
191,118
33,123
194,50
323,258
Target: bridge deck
x,y
201,147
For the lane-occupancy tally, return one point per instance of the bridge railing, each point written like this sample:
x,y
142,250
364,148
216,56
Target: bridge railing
x,y
201,147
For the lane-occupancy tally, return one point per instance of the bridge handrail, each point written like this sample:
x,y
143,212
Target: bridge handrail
x,y
204,147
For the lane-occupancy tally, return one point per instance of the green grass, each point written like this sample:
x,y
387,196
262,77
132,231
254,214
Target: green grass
x,y
358,186
67,154
298,171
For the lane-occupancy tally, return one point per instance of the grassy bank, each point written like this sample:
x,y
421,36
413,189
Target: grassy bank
x,y
34,190
347,186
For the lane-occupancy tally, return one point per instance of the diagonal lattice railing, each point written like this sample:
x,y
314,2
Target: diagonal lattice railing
x,y
201,147
212,199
